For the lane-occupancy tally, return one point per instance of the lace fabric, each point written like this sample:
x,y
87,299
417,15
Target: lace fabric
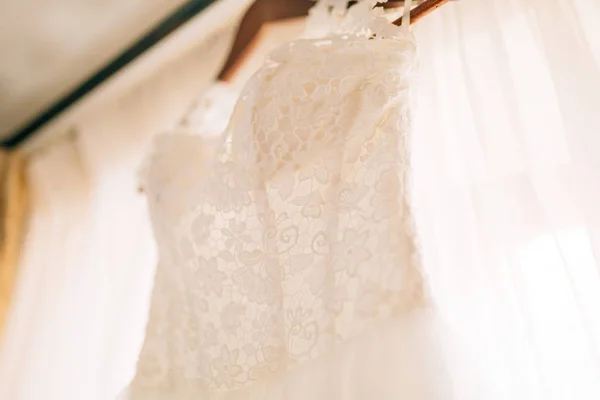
x,y
290,237
174,152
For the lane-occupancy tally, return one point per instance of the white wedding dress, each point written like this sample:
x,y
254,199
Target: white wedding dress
x,y
289,267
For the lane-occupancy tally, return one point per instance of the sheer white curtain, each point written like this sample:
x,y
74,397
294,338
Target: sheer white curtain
x,y
86,249
507,179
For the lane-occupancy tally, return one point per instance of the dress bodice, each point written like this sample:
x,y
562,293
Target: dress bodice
x,y
289,234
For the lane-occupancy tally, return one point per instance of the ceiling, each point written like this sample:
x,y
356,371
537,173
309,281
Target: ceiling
x,y
48,47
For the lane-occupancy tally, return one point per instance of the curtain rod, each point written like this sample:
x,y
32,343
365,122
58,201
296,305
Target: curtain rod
x,y
168,25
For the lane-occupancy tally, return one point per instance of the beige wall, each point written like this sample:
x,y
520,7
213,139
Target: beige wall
x,y
47,47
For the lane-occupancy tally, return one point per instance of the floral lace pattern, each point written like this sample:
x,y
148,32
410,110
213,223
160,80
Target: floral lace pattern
x,y
177,151
292,232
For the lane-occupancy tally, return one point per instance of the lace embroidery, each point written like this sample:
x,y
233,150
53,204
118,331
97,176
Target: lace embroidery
x,y
292,232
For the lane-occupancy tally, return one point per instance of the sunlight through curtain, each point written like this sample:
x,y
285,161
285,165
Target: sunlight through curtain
x,y
507,179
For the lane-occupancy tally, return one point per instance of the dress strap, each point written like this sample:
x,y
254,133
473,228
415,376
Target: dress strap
x,y
406,16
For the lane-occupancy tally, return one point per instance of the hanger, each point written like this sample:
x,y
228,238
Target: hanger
x,y
264,11
260,13
423,9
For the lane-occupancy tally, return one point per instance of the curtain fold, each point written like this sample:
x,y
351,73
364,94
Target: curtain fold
x,y
13,214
